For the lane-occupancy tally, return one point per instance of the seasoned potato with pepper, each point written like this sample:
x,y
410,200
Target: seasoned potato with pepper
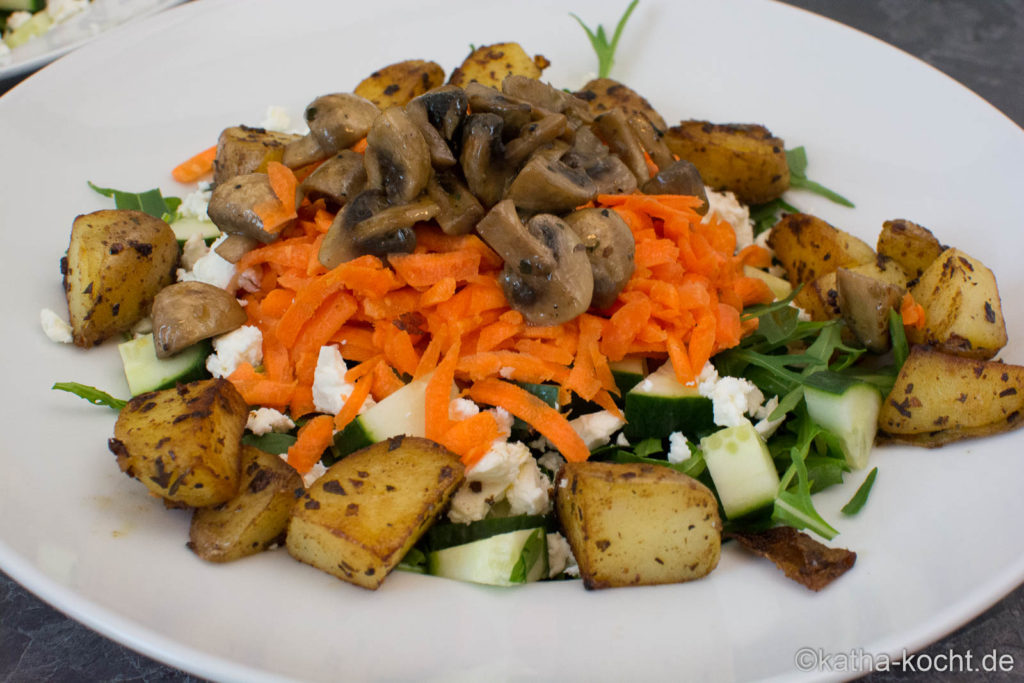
x,y
912,246
963,313
396,84
490,64
183,443
255,518
745,159
242,149
116,263
605,94
808,247
360,517
939,398
637,524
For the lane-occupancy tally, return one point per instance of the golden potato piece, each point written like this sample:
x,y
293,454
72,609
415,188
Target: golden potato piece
x,y
745,159
605,94
360,518
256,518
243,149
183,443
116,263
490,64
963,313
808,247
939,398
912,246
396,84
637,524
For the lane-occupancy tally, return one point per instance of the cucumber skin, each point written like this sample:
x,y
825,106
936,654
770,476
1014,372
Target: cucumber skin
x,y
473,562
837,412
349,440
447,535
650,416
198,371
727,474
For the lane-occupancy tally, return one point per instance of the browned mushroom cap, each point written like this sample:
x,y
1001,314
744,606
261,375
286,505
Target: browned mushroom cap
x,y
397,158
681,177
234,247
232,203
458,210
514,113
652,140
610,249
302,152
439,113
533,135
441,155
336,180
340,120
614,129
865,303
188,312
546,185
547,276
370,225
482,158
243,149
609,173
547,99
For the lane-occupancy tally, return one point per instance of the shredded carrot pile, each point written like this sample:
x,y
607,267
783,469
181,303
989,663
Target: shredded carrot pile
x,y
441,310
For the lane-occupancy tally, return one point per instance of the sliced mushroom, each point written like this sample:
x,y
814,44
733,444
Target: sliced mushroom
x,y
681,177
550,186
514,113
482,158
302,152
340,120
440,152
242,149
865,303
234,247
652,140
369,224
609,173
458,210
547,276
232,206
614,129
397,158
439,114
336,180
547,99
188,312
610,249
534,135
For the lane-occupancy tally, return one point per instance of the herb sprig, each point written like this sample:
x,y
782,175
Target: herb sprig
x,y
599,41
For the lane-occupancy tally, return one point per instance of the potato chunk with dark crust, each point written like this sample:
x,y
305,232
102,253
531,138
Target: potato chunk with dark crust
x,y
396,84
183,443
490,64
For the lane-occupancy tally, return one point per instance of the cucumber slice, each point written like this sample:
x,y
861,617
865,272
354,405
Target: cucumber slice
x,y
741,468
39,24
403,412
661,404
848,409
446,535
186,227
145,372
504,560
628,372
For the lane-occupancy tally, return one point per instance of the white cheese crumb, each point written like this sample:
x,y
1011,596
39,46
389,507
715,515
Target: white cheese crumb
x,y
17,19
194,249
277,120
726,207
330,390
211,268
552,461
764,426
507,472
55,327
504,420
144,326
265,420
317,471
560,557
596,429
507,372
195,204
732,398
244,345
678,448
621,440
461,408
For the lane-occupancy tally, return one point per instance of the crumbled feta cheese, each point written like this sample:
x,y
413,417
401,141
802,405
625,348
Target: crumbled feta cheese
x,y
596,429
726,207
461,408
194,249
277,120
62,10
802,315
678,448
552,461
16,20
244,345
195,204
315,472
560,557
706,379
330,390
621,440
731,398
507,372
504,420
211,268
144,326
265,420
507,472
764,426
55,328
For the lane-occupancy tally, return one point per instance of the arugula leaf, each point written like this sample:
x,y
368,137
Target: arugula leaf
x,y
648,447
793,505
529,556
414,561
766,215
861,496
91,394
797,160
151,201
900,347
599,41
271,442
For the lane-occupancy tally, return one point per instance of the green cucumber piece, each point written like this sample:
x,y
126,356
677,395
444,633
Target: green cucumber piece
x,y
401,413
628,372
145,372
186,227
39,24
847,408
503,560
741,468
446,535
661,404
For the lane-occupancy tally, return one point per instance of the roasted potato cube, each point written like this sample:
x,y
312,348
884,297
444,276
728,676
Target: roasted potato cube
x,y
490,64
360,517
396,84
256,518
183,443
912,246
605,94
939,398
637,524
963,313
808,247
116,263
745,159
242,149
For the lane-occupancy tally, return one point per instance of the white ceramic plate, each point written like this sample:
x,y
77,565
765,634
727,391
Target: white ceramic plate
x,y
938,542
100,16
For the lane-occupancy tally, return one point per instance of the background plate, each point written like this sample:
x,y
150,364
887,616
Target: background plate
x,y
88,540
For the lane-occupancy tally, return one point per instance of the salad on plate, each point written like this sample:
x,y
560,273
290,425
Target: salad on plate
x,y
480,327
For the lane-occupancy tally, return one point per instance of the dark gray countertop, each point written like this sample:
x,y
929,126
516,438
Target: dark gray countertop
x,y
978,42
